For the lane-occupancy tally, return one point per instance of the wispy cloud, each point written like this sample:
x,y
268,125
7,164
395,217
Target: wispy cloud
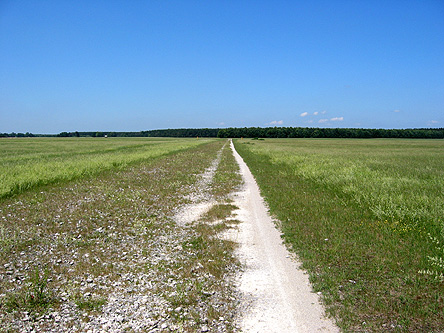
x,y
316,113
324,112
396,111
323,120
337,119
303,114
276,122
221,124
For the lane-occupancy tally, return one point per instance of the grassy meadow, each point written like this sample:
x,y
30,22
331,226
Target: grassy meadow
x,y
366,218
30,162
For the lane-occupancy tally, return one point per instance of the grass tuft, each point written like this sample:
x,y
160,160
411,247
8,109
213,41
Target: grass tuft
x,y
35,296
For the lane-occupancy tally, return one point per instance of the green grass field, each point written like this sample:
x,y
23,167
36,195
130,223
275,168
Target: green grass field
x,y
367,219
30,162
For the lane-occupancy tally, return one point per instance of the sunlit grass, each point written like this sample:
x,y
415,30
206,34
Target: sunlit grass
x,y
366,218
29,162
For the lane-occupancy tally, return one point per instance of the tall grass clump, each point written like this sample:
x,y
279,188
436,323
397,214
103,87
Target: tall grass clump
x,y
366,218
34,296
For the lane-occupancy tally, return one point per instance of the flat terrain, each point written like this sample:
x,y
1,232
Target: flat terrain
x,y
276,294
30,162
105,252
137,234
366,219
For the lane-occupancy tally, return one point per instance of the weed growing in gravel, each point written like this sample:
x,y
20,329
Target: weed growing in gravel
x,y
359,214
34,296
219,212
90,304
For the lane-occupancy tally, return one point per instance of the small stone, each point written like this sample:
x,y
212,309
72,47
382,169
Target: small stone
x,y
178,309
204,328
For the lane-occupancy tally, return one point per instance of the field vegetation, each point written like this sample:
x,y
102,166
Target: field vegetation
x,y
89,240
30,162
366,219
105,252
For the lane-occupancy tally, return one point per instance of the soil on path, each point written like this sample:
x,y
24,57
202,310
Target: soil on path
x,y
276,294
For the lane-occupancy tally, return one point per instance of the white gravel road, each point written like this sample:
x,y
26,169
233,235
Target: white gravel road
x,y
276,294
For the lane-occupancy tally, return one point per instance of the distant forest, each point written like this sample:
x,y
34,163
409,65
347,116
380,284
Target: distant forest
x,y
259,132
311,132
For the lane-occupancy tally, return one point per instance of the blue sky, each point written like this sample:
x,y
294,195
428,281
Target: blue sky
x,y
139,65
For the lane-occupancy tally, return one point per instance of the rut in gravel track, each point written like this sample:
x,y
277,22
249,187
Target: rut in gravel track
x,y
201,199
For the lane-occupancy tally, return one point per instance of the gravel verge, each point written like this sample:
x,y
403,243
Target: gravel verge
x,y
106,254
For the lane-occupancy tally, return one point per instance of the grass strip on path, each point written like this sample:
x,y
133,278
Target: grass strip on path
x,y
365,217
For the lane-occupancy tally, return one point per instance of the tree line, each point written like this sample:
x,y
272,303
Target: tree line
x,y
177,133
311,132
259,132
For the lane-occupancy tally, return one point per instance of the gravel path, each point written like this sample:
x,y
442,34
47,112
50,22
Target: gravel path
x,y
201,199
276,294
115,257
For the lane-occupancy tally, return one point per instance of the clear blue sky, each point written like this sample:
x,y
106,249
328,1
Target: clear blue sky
x,y
138,65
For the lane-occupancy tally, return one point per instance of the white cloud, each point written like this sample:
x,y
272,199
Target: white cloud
x,y
316,113
323,120
221,124
303,114
337,119
324,112
397,111
276,122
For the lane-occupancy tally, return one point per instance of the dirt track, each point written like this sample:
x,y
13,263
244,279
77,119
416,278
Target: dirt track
x,y
276,294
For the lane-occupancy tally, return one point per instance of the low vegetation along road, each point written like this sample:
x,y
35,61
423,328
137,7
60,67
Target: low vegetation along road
x,y
159,235
276,294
